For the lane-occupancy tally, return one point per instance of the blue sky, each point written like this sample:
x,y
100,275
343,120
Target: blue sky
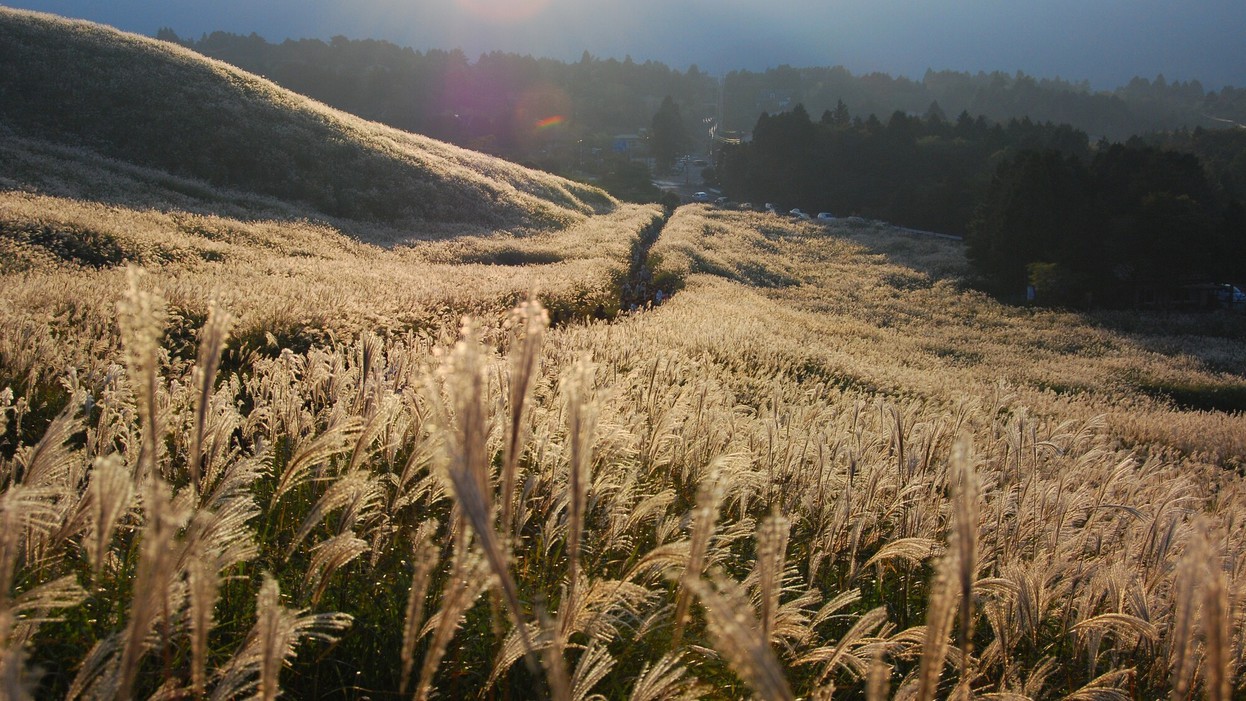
x,y
1104,41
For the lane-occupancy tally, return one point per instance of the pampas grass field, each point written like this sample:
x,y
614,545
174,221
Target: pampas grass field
x,y
256,446
821,469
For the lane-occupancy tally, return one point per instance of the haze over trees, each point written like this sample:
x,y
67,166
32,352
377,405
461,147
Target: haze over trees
x,y
450,96
492,103
1143,105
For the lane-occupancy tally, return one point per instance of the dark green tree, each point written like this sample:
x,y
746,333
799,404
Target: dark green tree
x,y
840,117
1035,211
669,136
1159,215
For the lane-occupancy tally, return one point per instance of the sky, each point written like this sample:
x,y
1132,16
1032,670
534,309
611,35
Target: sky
x,y
1107,42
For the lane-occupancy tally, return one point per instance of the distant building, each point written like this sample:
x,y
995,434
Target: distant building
x,y
630,144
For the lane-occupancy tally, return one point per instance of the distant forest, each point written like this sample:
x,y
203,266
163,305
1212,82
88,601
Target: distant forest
x,y
1040,205
1056,186
485,103
1140,107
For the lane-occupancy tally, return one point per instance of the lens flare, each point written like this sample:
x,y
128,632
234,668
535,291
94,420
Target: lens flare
x,y
504,10
540,110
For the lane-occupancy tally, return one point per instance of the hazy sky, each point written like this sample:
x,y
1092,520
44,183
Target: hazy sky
x,y
1105,41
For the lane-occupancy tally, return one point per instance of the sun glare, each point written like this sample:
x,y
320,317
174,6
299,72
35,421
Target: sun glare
x,y
504,10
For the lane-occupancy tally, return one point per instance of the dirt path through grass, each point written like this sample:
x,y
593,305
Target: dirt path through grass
x,y
638,290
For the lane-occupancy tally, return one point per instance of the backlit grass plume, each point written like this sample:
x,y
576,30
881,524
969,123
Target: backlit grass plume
x,y
141,316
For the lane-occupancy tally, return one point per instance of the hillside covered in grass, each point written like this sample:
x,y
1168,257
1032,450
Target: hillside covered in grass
x,y
78,95
820,433
246,452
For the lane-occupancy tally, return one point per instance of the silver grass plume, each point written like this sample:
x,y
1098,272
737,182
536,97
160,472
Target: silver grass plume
x,y
1217,639
1202,604
34,607
311,453
878,683
358,494
735,634
91,677
604,607
593,666
371,440
156,566
772,537
1110,686
467,581
709,493
217,539
205,584
27,514
967,506
31,511
581,419
108,495
953,581
141,316
328,556
913,551
221,454
212,340
665,679
17,683
255,668
47,463
940,617
553,658
424,557
841,654
371,351
467,464
6,407
530,321
1182,662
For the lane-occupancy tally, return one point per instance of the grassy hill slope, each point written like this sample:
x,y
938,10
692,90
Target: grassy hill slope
x,y
131,99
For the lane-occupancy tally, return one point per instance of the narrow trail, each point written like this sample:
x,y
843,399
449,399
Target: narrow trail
x,y
638,290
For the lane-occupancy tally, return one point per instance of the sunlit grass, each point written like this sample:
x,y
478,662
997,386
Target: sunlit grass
x,y
248,446
819,375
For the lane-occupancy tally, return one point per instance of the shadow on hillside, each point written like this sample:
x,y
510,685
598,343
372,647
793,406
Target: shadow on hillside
x,y
1215,339
937,258
55,170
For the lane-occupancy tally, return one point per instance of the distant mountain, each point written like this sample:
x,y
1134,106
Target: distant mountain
x,y
78,100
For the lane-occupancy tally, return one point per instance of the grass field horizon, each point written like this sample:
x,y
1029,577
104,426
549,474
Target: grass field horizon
x,y
253,445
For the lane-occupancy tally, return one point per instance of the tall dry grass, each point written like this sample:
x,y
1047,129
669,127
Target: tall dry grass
x,y
819,470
